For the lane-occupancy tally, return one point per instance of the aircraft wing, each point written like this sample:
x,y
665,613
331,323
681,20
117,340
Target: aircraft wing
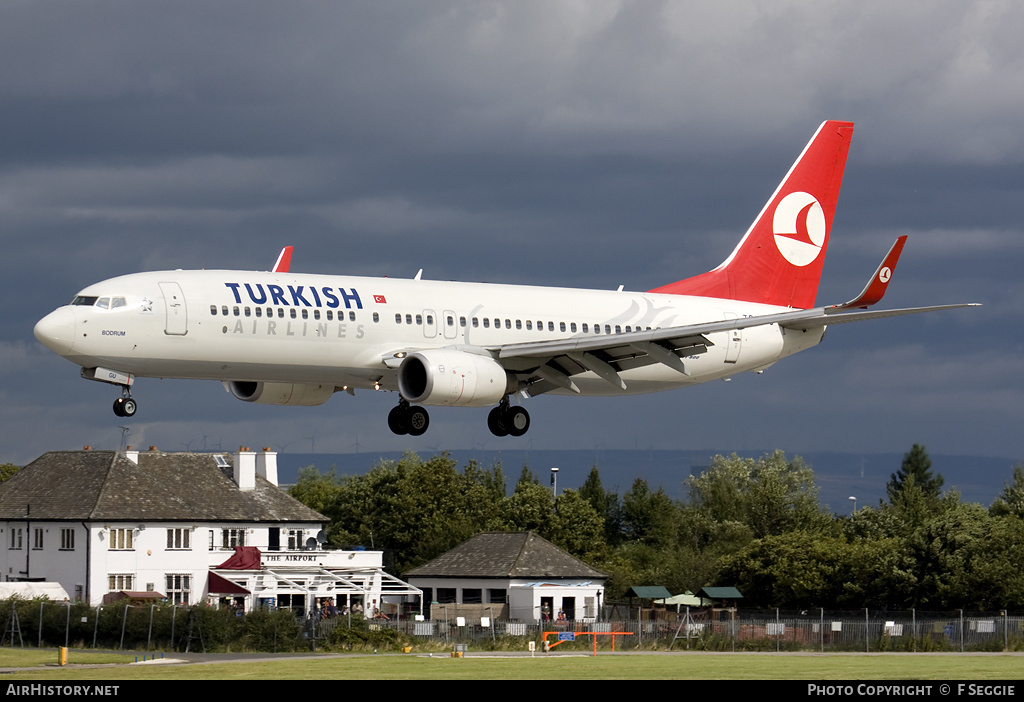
x,y
549,365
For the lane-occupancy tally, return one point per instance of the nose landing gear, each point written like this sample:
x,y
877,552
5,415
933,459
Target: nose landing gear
x,y
125,406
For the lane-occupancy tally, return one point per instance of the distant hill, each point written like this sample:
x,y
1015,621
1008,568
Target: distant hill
x,y
838,475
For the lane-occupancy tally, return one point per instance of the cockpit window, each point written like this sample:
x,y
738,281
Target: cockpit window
x,y
104,303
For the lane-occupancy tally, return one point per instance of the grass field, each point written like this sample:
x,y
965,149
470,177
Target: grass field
x,y
677,666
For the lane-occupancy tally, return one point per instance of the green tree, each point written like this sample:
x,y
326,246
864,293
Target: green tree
x,y
412,509
316,490
916,463
7,471
648,516
529,508
577,527
1011,499
606,504
770,495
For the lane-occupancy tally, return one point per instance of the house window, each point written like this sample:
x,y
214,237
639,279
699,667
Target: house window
x,y
16,537
67,539
120,581
121,539
232,537
497,596
177,590
37,539
472,595
178,539
446,595
295,537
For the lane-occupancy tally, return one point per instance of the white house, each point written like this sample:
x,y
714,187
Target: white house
x,y
102,523
516,575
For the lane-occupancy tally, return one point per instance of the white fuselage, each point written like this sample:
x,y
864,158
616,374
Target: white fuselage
x,y
344,331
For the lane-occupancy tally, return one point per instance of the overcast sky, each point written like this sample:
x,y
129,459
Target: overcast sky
x,y
584,143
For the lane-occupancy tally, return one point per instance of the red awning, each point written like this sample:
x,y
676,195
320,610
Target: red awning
x,y
245,558
218,585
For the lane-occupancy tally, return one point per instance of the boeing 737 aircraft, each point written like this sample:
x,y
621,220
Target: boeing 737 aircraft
x,y
284,338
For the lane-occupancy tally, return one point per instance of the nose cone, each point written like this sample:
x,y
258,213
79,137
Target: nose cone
x,y
56,330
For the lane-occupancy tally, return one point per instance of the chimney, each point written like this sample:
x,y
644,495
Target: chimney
x,y
132,455
266,464
245,469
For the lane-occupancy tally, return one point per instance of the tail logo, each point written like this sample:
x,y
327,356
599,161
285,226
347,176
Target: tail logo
x,y
799,228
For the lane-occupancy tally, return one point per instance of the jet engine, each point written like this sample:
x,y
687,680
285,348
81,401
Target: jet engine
x,y
294,394
453,378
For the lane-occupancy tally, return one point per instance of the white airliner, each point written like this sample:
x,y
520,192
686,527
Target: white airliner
x,y
290,339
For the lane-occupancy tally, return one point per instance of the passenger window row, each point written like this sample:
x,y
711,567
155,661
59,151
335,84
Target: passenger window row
x,y
528,325
293,313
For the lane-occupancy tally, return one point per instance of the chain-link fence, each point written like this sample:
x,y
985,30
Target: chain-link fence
x,y
821,630
44,623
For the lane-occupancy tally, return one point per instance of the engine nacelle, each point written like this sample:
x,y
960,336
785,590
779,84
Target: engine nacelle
x,y
453,378
295,394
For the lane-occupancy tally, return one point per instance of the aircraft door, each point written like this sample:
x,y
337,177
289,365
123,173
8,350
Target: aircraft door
x,y
451,325
176,322
735,342
429,324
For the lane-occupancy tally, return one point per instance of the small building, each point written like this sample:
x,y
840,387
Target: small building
x,y
133,525
723,601
518,575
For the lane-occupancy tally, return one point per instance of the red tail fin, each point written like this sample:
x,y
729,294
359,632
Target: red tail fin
x,y
779,259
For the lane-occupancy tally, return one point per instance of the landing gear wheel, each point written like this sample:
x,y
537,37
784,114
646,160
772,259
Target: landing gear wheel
x,y
408,420
496,422
517,420
417,420
125,407
397,420
504,420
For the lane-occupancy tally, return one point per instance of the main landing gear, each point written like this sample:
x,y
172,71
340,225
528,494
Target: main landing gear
x,y
406,419
505,420
125,406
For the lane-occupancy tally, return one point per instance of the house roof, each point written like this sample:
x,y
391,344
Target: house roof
x,y
648,592
506,555
722,593
106,485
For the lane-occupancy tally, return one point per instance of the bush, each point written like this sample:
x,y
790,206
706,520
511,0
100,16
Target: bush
x,y
272,630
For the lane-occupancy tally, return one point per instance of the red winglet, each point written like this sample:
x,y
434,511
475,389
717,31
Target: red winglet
x,y
284,261
876,287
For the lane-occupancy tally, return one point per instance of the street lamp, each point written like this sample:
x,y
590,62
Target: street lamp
x,y
554,483
854,501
